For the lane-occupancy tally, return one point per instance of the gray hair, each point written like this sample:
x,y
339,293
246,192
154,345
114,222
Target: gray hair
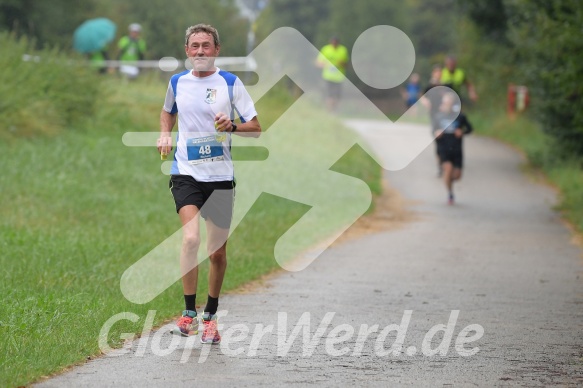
x,y
202,28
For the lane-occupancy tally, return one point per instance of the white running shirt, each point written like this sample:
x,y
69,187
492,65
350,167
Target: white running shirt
x,y
197,100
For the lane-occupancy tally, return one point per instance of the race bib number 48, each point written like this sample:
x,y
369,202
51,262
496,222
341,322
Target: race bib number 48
x,y
204,150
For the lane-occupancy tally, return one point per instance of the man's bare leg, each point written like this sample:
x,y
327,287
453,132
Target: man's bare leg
x,y
448,179
188,324
189,216
217,249
456,174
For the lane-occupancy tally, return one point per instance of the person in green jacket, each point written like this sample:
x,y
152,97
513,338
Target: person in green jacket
x,y
333,59
131,48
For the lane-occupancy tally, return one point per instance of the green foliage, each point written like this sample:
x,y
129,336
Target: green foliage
x,y
303,15
537,43
569,179
432,26
490,17
488,64
548,35
360,16
47,22
164,24
53,22
43,94
318,21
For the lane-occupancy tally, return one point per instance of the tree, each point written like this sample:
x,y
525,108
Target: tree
x,y
53,22
47,22
548,34
536,42
305,16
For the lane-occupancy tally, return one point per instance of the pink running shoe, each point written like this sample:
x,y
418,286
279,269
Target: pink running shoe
x,y
210,334
187,325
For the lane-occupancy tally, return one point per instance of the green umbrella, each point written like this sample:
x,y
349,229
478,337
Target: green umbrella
x,y
93,35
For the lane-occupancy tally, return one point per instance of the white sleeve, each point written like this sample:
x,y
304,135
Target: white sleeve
x,y
242,101
170,101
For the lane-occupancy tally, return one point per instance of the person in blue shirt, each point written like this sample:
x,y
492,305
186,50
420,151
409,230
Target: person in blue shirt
x,y
412,92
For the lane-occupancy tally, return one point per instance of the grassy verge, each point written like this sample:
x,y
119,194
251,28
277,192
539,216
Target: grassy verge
x,y
565,173
78,208
40,95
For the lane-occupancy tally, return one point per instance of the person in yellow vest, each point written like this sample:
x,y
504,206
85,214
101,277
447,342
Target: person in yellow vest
x,y
333,59
454,77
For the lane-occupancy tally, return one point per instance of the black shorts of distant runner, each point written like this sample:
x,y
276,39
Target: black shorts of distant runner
x,y
449,153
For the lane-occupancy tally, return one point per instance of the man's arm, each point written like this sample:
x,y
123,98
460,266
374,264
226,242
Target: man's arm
x,y
345,60
466,125
321,61
251,128
167,122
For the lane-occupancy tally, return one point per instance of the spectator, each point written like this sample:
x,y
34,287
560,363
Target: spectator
x,y
132,48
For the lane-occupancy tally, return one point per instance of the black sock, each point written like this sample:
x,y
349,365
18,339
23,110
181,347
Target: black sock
x,y
212,305
190,302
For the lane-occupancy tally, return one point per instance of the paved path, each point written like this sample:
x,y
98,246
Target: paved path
x,y
500,260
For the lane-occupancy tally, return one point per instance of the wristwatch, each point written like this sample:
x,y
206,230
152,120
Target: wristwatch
x,y
233,127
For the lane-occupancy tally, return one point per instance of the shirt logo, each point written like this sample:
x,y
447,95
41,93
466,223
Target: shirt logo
x,y
211,96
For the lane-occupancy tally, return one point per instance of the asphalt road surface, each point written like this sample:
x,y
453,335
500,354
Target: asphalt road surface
x,y
488,292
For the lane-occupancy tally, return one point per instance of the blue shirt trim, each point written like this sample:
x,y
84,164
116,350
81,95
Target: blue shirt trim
x,y
174,83
230,78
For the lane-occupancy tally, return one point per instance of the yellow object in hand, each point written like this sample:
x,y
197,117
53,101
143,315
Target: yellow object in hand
x,y
220,137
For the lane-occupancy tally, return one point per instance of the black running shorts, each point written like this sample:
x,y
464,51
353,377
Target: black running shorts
x,y
213,199
453,155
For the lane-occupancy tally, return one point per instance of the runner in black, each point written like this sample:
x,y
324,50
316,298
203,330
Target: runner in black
x,y
450,141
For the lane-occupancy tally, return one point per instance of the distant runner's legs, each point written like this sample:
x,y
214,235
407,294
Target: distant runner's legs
x,y
450,175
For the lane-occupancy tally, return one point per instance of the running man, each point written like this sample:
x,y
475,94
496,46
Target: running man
x,y
333,59
202,181
450,141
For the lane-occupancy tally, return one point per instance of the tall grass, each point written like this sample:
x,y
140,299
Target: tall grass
x,y
42,91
